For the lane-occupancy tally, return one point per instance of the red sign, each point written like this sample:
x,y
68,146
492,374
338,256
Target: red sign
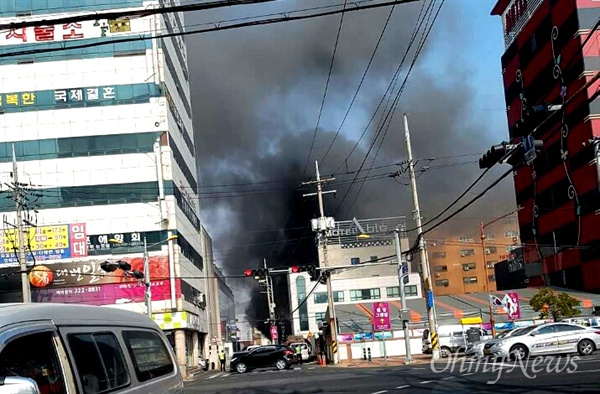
x,y
274,334
381,316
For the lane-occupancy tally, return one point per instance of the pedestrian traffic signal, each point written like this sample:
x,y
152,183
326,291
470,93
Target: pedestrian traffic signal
x,y
404,273
256,273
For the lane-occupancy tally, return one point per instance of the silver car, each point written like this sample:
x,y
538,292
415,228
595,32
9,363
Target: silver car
x,y
545,339
476,349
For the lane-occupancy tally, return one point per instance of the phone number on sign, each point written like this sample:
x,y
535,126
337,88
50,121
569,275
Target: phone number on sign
x,y
79,290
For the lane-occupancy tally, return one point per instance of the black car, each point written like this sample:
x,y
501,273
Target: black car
x,y
278,356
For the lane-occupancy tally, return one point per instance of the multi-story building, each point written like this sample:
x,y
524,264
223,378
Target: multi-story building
x,y
458,265
356,284
551,55
103,135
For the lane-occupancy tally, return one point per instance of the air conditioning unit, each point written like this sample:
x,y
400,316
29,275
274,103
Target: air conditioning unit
x,y
466,268
437,275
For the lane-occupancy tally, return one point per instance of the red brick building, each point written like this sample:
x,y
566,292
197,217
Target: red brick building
x,y
552,52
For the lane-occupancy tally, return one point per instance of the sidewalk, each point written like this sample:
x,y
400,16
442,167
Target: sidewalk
x,y
418,359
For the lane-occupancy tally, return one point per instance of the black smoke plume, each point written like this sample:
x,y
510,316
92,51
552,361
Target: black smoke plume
x,y
256,95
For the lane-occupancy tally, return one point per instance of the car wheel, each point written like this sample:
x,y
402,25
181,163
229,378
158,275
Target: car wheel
x,y
445,351
518,352
241,368
280,364
585,347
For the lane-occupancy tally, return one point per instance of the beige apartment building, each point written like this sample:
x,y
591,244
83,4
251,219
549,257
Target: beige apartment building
x,y
458,263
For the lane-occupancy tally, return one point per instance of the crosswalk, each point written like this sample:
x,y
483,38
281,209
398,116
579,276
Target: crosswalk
x,y
224,375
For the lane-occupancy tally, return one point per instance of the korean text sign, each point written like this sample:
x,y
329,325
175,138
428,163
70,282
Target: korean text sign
x,y
381,316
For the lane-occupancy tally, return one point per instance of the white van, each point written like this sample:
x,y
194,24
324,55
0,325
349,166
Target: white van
x,y
304,350
453,338
68,349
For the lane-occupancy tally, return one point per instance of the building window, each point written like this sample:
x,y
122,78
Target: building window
x,y
491,250
465,239
492,278
319,317
442,282
355,260
439,255
510,234
491,236
320,298
441,268
373,259
469,266
510,248
534,46
410,291
303,309
490,264
365,294
470,279
338,296
393,292
467,252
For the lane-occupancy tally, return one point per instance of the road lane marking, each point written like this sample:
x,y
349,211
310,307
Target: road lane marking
x,y
214,376
311,367
419,368
448,378
297,368
426,381
226,375
402,387
588,371
468,374
380,392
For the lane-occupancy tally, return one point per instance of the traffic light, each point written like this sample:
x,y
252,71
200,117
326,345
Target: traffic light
x,y
111,266
533,116
404,273
493,155
312,270
256,273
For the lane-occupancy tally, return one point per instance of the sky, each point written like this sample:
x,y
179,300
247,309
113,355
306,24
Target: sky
x,y
256,96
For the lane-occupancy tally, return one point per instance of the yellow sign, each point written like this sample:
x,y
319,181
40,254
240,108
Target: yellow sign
x,y
471,320
309,335
39,238
119,26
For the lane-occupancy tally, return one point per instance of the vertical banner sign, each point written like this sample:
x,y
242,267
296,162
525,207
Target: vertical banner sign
x,y
511,305
274,335
381,316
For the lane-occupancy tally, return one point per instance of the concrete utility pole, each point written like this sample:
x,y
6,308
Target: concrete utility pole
x,y
422,250
409,358
322,234
270,298
18,197
147,284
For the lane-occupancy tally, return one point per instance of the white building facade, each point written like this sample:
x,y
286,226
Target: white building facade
x,y
103,138
356,284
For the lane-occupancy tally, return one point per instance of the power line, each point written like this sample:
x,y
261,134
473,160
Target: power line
x,y
335,47
362,80
139,13
262,22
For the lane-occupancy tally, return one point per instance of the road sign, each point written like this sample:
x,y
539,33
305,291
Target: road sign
x,y
529,148
274,334
381,316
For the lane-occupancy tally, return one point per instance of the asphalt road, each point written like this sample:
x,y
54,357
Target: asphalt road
x,y
558,375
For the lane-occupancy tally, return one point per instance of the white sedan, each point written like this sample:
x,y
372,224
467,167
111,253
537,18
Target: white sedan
x,y
545,339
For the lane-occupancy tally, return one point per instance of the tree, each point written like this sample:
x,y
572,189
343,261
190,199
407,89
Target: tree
x,y
555,305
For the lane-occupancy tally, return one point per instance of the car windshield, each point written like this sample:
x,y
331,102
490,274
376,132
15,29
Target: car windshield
x,y
523,331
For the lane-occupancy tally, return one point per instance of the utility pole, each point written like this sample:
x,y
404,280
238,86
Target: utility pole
x,y
147,284
270,298
422,251
18,197
322,236
485,272
409,358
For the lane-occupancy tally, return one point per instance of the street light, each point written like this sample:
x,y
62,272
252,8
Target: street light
x,y
146,275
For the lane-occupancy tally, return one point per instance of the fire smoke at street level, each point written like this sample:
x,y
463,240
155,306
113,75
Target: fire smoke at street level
x,y
529,368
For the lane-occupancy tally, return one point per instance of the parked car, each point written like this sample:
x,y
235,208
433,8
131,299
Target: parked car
x,y
549,338
452,339
61,348
305,350
476,349
278,356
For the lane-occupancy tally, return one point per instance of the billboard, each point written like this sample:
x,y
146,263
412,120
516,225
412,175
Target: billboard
x,y
56,242
379,230
84,282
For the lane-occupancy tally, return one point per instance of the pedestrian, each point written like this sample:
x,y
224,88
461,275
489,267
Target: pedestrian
x,y
299,354
222,360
